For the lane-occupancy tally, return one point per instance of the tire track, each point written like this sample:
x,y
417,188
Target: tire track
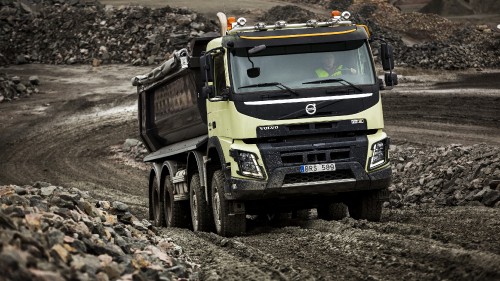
x,y
231,259
359,250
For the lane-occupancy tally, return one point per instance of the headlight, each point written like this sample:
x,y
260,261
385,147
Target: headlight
x,y
247,163
380,154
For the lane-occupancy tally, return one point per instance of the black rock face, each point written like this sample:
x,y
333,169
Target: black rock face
x,y
69,32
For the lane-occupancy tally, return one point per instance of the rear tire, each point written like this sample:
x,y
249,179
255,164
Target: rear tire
x,y
157,204
332,211
367,205
176,212
201,213
226,224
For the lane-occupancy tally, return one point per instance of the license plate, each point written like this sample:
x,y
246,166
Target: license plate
x,y
327,167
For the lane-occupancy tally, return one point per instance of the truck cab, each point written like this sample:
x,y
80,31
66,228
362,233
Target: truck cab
x,y
292,120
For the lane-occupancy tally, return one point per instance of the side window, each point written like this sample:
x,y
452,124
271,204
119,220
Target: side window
x,y
220,75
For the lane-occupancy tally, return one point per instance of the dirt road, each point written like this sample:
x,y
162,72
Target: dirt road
x,y
439,107
65,136
432,244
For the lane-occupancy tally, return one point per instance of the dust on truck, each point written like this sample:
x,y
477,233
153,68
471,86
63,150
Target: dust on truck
x,y
246,123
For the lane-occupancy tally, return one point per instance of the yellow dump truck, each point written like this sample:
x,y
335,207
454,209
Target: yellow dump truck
x,y
267,118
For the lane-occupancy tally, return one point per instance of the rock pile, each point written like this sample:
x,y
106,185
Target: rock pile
x,y
68,34
135,149
420,40
445,176
83,31
458,7
289,13
428,40
50,233
12,88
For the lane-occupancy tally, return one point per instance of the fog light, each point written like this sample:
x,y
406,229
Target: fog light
x,y
380,155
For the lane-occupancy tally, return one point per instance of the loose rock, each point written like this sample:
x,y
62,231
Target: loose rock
x,y
70,243
451,175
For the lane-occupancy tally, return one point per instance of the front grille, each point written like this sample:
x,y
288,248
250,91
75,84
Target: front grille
x,y
317,177
314,156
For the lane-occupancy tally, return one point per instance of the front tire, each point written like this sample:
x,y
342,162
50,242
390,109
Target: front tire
x,y
332,211
226,224
367,205
201,213
176,212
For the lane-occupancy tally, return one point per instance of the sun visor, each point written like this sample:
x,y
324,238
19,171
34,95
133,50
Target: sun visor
x,y
295,36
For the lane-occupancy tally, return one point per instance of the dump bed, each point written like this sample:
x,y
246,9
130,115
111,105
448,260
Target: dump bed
x,y
169,108
168,111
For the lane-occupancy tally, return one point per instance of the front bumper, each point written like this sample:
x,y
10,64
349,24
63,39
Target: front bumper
x,y
289,182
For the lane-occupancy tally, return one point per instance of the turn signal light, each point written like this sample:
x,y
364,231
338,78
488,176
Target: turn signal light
x,y
336,13
230,21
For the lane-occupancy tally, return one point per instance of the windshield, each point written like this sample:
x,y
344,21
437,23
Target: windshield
x,y
303,66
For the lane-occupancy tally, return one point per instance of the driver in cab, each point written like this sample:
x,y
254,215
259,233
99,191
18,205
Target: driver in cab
x,y
331,69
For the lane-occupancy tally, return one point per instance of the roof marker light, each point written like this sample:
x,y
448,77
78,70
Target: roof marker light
x,y
280,24
260,26
312,23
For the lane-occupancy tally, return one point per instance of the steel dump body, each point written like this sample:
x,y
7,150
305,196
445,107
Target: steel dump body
x,y
168,111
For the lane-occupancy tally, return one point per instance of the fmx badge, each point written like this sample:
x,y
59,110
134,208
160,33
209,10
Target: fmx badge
x,y
311,108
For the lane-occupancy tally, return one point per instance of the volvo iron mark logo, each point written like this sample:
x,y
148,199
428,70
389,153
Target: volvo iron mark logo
x,y
311,108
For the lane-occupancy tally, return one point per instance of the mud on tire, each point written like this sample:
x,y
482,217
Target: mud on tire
x,y
226,224
332,211
201,212
367,205
176,213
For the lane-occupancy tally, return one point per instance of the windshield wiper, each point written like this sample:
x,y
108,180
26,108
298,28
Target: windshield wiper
x,y
333,80
270,84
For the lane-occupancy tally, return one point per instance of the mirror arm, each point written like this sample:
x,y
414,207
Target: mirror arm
x,y
206,67
248,56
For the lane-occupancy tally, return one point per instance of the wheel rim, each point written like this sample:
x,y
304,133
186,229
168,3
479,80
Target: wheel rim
x,y
194,210
216,206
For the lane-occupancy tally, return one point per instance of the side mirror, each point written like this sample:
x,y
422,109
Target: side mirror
x,y
381,85
391,79
206,68
253,72
387,56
